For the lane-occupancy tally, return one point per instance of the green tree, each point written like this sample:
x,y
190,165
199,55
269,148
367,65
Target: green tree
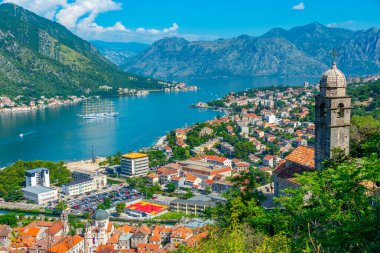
x,y
171,187
62,205
107,203
9,219
120,207
12,178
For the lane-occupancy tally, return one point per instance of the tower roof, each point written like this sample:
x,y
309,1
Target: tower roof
x,y
333,78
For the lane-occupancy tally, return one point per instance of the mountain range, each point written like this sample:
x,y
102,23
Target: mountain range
x,y
300,51
119,52
41,57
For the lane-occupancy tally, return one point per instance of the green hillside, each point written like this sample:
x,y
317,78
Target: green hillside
x,y
41,57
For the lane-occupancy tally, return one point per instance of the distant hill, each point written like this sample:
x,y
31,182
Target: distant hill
x,y
119,52
300,51
41,57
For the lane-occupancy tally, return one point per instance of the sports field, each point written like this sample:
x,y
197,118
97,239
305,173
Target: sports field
x,y
147,207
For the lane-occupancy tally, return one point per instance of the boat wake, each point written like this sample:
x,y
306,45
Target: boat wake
x,y
22,135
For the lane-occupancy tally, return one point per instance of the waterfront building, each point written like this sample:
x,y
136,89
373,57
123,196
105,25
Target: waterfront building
x,y
40,194
39,176
79,187
134,164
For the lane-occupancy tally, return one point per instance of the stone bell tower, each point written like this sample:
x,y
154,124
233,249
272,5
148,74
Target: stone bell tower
x,y
332,116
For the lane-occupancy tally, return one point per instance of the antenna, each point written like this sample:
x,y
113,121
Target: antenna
x,y
92,152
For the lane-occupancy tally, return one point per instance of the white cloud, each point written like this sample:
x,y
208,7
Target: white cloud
x,y
45,8
299,7
80,17
341,24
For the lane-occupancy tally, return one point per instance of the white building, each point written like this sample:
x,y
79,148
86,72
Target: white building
x,y
134,164
79,187
100,180
40,194
39,176
270,118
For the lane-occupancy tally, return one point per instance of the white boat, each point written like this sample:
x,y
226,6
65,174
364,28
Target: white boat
x,y
96,108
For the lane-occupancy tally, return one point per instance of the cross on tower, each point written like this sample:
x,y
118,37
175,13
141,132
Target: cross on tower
x,y
334,54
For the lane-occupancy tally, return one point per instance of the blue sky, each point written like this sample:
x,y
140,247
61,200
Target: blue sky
x,y
149,20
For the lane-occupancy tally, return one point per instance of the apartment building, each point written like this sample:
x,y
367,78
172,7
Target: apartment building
x,y
39,176
134,164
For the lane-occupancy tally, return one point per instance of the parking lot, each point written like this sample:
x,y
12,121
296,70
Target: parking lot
x,y
89,202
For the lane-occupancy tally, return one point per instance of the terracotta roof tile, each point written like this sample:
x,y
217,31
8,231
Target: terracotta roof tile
x,y
65,245
55,228
114,238
302,155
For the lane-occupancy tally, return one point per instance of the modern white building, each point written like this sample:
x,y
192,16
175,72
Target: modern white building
x,y
134,164
100,180
79,187
40,194
39,176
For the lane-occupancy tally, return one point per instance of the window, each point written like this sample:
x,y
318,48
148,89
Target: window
x,y
340,110
322,110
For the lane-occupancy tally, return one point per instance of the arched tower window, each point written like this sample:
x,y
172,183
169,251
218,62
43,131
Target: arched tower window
x,y
340,110
322,110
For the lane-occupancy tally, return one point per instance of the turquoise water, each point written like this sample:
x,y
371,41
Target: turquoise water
x,y
59,134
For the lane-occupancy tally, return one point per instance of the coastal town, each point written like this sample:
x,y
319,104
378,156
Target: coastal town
x,y
159,199
159,127
182,176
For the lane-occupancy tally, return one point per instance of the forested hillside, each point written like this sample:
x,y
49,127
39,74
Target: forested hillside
x,y
41,57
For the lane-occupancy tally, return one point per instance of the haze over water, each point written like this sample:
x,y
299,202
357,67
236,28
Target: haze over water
x,y
59,134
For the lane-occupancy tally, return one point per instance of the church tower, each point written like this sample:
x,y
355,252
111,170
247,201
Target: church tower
x,y
332,116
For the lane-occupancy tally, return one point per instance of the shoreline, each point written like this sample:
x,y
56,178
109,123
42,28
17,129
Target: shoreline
x,y
34,108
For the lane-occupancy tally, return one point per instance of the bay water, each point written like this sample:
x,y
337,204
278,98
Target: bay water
x,y
59,134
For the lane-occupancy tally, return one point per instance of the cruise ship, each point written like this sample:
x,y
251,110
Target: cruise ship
x,y
95,108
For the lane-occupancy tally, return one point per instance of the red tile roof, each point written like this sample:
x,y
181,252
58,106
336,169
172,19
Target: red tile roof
x,y
242,164
302,155
190,177
209,181
166,171
65,245
55,228
114,239
215,158
148,247
268,157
